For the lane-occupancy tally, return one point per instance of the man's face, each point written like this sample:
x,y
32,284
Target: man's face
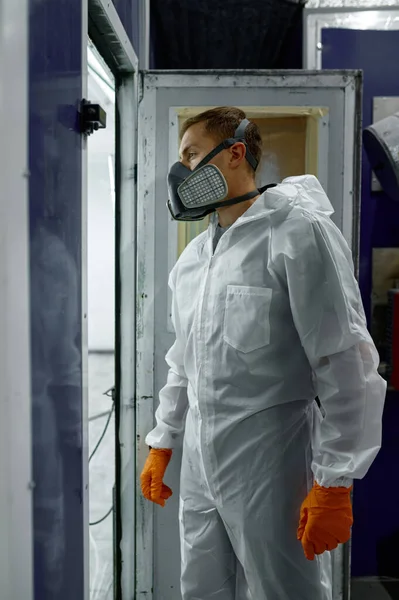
x,y
197,143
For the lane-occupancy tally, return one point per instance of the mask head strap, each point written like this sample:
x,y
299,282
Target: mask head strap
x,y
240,131
239,136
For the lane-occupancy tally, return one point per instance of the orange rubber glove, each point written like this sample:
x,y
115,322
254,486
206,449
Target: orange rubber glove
x,y
152,484
326,519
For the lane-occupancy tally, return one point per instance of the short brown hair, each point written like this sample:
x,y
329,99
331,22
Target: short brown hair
x,y
222,122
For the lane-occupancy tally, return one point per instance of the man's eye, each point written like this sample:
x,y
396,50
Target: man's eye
x,y
191,155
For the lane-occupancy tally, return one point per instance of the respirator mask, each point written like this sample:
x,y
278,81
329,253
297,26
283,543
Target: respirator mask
x,y
195,194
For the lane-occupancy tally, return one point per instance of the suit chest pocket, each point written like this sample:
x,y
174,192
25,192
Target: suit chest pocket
x,y
246,321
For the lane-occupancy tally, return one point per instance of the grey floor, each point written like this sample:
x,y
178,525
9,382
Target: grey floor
x,y
102,476
373,589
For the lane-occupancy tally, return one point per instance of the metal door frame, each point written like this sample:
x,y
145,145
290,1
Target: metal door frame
x,y
84,334
16,523
148,288
111,40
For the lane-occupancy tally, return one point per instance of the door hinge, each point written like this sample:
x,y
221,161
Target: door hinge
x,y
92,117
135,173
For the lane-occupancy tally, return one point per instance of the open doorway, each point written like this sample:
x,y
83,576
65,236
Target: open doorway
x,y
101,325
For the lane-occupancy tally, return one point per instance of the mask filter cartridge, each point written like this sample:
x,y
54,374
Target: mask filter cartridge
x,y
203,187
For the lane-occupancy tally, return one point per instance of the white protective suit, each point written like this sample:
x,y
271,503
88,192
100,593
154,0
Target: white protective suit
x,y
268,321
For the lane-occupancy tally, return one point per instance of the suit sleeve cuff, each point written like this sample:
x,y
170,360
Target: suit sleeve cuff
x,y
345,482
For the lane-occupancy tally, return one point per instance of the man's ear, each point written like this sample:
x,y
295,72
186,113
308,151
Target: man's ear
x,y
237,154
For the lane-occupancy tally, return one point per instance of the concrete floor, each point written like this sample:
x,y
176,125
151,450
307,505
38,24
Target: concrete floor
x,y
374,589
102,477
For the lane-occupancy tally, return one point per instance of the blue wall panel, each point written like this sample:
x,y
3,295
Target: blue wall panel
x,y
55,80
128,11
376,500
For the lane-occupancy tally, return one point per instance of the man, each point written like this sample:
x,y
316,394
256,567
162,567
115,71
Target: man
x,y
268,316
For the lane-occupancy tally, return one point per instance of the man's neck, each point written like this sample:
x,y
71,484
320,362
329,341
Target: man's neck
x,y
229,214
